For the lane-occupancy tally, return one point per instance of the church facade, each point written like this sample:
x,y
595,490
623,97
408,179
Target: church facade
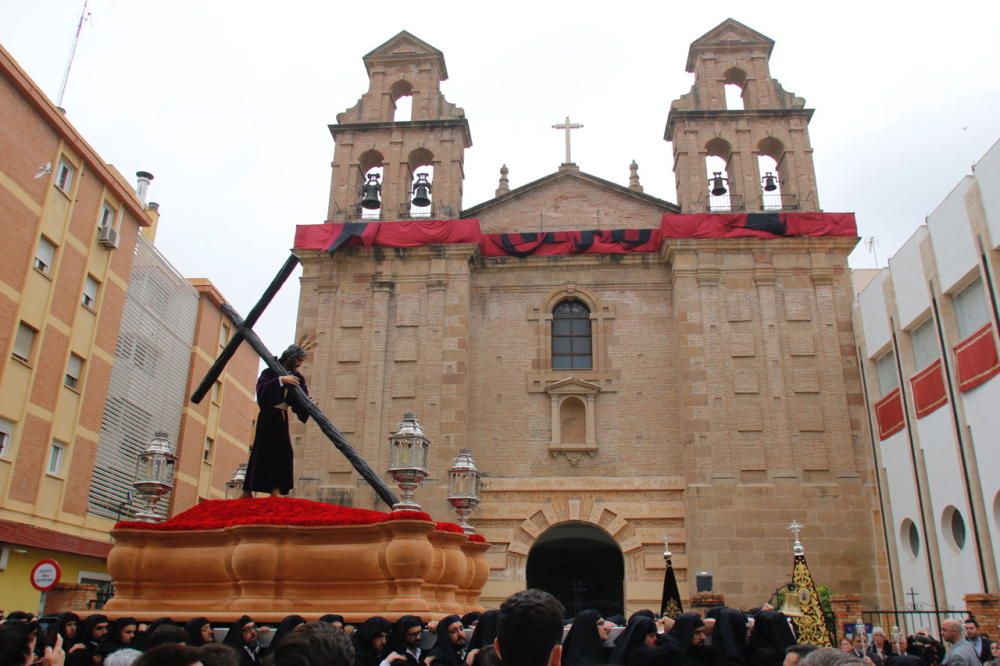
x,y
702,389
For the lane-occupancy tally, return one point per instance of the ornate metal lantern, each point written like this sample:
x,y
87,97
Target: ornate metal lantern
x,y
464,482
718,184
408,449
154,475
234,486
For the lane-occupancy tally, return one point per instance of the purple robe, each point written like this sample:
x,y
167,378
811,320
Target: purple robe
x,y
270,464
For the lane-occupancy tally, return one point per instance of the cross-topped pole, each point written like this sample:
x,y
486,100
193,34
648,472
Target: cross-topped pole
x,y
568,126
795,527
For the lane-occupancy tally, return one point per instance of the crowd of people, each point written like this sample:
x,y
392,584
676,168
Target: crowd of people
x,y
529,629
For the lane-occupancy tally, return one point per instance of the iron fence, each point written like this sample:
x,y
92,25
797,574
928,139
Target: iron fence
x,y
909,621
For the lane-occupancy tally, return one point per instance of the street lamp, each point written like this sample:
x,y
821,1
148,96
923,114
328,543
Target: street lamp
x,y
154,476
463,487
234,486
408,460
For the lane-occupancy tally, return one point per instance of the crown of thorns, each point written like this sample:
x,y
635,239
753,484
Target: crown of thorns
x,y
299,350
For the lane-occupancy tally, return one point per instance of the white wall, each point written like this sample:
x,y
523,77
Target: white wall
x,y
875,314
961,572
954,247
987,174
909,280
983,418
902,495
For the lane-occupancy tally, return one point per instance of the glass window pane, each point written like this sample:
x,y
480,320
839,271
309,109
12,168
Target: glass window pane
x,y
581,327
970,309
925,347
581,362
581,346
885,368
561,362
561,327
561,345
23,342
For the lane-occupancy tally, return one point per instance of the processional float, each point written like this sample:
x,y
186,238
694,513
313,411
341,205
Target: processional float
x,y
273,557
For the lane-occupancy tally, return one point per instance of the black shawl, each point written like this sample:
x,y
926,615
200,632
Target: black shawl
x,y
583,646
364,651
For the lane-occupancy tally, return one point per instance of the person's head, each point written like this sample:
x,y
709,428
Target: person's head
x,y
995,649
334,619
470,619
293,357
199,631
452,628
971,628
688,631
795,653
878,637
407,632
122,657
122,631
372,635
170,654
952,631
94,628
858,642
487,656
17,642
830,657
165,634
530,629
846,645
314,644
242,633
68,626
217,654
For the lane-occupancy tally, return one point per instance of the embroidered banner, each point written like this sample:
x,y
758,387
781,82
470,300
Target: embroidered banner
x,y
928,389
889,414
976,359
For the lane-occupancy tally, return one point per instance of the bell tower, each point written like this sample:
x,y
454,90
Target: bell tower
x,y
377,137
739,123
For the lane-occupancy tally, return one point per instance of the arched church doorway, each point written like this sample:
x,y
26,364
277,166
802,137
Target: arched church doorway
x,y
581,565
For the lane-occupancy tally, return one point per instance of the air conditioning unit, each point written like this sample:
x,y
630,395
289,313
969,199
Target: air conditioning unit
x,y
108,237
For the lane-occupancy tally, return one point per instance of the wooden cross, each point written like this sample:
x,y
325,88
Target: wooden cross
x,y
913,594
568,126
243,331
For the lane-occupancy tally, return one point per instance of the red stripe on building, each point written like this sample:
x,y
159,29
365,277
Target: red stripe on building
x,y
928,389
976,359
889,414
19,534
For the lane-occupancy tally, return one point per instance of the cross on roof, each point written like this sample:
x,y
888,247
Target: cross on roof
x,y
568,126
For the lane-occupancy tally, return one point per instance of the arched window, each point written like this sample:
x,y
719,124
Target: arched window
x,y
571,338
402,101
720,194
736,80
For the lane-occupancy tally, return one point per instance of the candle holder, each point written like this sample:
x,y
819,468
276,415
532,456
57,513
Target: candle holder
x,y
154,476
408,448
464,483
234,486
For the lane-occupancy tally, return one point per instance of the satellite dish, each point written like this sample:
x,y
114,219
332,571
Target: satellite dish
x,y
44,170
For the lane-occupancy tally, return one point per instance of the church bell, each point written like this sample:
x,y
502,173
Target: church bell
x,y
791,604
370,193
421,191
718,184
770,182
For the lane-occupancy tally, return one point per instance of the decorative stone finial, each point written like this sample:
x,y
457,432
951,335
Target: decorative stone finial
x,y
504,186
633,177
795,527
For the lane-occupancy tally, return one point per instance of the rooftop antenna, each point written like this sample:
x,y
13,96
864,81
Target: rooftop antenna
x,y
84,15
871,244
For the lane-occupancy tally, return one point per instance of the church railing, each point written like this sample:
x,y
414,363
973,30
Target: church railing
x,y
727,203
779,202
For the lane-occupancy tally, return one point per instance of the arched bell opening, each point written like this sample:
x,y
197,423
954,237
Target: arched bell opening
x,y
421,163
720,195
370,170
770,152
734,86
402,101
581,565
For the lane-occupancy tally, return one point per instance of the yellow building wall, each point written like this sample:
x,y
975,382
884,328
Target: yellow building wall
x,y
16,592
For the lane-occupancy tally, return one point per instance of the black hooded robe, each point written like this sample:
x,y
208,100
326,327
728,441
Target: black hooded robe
x,y
364,637
583,645
270,464
770,638
444,652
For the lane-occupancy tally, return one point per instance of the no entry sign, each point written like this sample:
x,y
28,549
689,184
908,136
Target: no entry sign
x,y
45,575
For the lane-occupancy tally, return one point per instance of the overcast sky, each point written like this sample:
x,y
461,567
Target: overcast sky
x,y
227,103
